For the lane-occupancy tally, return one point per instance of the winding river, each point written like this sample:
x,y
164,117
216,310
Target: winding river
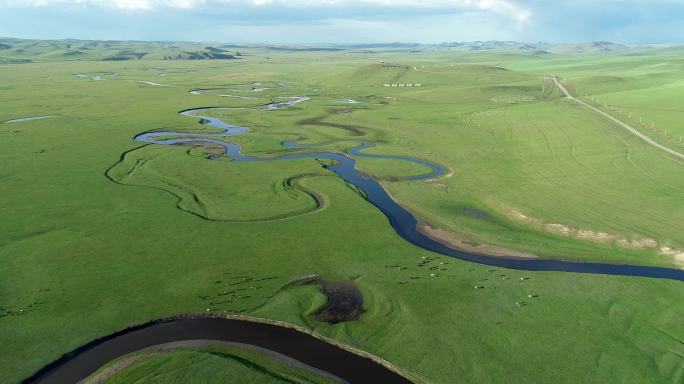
x,y
305,348
403,221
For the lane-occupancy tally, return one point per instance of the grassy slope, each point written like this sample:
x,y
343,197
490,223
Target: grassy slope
x,y
647,85
98,245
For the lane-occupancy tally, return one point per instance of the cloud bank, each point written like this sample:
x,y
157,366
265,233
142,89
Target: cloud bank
x,y
504,7
346,21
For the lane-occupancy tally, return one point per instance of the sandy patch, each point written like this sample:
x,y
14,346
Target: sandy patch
x,y
519,215
558,229
637,243
597,236
459,242
677,254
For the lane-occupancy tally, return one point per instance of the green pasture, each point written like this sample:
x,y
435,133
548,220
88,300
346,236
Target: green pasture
x,y
99,232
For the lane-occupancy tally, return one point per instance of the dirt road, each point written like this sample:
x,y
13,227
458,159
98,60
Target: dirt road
x,y
631,129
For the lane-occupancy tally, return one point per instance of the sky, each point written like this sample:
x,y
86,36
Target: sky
x,y
347,21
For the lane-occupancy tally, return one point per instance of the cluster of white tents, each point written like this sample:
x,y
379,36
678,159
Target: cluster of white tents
x,y
403,85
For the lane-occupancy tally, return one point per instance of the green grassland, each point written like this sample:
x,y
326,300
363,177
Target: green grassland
x,y
92,239
257,197
642,87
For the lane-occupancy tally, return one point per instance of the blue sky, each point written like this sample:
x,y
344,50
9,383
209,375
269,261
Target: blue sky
x,y
347,21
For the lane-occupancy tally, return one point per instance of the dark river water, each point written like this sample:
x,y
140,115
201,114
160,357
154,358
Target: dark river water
x,y
316,353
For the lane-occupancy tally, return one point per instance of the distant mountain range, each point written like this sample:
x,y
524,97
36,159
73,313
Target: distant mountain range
x,y
594,46
24,50
539,47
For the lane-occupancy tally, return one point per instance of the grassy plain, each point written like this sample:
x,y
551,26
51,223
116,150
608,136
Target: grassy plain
x,y
84,256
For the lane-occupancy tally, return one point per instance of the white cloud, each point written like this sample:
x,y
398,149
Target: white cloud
x,y
508,8
505,7
118,4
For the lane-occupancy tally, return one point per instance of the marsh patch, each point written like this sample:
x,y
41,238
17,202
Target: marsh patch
x,y
345,301
476,214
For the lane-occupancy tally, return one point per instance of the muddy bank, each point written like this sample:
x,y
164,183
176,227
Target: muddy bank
x,y
460,242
